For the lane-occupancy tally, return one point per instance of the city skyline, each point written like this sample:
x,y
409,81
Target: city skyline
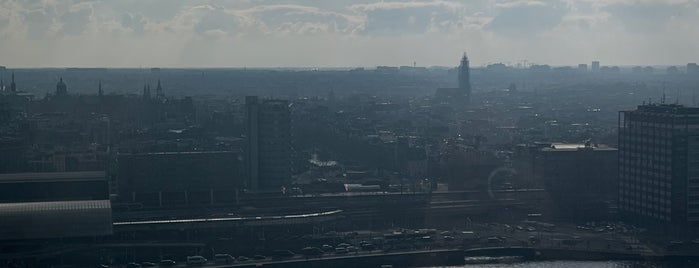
x,y
345,33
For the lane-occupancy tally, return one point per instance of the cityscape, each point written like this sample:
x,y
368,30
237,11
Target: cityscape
x,y
496,164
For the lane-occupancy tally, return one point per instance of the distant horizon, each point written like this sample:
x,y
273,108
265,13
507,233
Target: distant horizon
x,y
372,67
279,33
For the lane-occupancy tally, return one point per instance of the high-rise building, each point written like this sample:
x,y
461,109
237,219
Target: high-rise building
x,y
465,78
659,164
595,66
269,144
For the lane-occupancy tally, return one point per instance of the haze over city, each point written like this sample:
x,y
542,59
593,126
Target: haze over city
x,y
165,33
299,133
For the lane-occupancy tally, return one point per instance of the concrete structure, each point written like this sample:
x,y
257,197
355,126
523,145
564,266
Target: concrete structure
x,y
659,164
269,144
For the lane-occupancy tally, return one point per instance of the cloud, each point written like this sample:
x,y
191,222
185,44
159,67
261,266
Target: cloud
x,y
396,18
38,23
298,19
526,18
216,19
647,17
76,19
134,22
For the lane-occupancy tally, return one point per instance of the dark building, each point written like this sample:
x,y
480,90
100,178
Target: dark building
x,y
269,144
595,66
178,178
465,78
692,68
61,88
659,164
13,85
462,94
581,178
54,205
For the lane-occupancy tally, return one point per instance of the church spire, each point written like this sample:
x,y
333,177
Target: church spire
x,y
146,91
159,90
13,86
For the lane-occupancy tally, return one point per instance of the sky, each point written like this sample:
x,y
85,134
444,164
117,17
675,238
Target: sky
x,y
344,33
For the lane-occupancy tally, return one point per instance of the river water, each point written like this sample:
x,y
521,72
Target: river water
x,y
581,264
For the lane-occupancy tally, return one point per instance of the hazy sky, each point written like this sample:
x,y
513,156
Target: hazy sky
x,y
270,33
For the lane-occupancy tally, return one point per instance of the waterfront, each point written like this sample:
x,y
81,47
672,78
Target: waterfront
x,y
580,264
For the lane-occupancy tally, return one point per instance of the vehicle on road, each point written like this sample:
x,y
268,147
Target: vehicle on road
x,y
224,258
282,254
167,263
311,251
196,260
327,248
242,258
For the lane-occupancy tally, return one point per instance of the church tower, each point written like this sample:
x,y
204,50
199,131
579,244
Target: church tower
x,y
465,78
61,88
146,92
159,91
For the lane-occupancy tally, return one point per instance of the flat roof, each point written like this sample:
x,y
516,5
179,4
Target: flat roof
x,y
52,176
59,219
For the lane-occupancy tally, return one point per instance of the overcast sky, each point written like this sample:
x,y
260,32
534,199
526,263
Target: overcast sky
x,y
319,33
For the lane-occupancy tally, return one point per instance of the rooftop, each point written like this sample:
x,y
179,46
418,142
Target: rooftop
x,y
52,176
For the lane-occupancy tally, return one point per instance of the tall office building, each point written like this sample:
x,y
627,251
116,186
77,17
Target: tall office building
x,y
465,78
269,144
659,164
595,66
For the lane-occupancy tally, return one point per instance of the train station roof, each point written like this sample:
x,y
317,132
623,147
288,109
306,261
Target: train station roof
x,y
57,219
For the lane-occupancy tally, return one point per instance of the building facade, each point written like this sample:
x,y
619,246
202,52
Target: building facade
x,y
659,164
268,158
581,178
